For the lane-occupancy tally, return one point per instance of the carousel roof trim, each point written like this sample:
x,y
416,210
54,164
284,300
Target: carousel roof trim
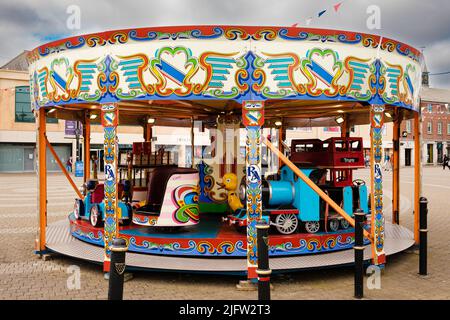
x,y
197,63
230,32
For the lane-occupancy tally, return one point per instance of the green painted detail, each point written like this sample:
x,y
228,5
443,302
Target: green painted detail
x,y
212,207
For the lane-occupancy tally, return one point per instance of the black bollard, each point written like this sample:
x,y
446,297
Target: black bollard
x,y
117,269
263,271
359,253
423,236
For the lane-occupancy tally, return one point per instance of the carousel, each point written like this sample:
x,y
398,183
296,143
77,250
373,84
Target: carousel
x,y
232,82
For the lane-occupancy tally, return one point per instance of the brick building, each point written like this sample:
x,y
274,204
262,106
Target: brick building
x,y
435,126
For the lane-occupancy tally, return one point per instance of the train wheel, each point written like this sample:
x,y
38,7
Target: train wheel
x,y
286,223
333,225
77,209
345,224
94,217
312,226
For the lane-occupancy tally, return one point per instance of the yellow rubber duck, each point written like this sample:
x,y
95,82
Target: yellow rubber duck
x,y
230,183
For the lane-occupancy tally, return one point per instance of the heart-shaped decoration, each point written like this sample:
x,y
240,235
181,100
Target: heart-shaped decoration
x,y
61,73
322,68
174,67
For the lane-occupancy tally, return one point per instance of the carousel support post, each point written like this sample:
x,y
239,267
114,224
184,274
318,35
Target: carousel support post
x,y
110,115
345,128
376,177
87,146
148,132
417,175
396,169
42,181
253,119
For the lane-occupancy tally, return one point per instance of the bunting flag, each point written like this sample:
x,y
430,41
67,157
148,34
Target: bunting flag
x,y
308,21
321,13
337,6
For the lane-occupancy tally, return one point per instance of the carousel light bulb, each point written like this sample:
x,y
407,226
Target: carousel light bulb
x,y
278,123
51,110
339,119
387,114
93,116
151,120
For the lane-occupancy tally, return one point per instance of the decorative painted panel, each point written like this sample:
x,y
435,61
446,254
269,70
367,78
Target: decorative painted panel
x,y
240,63
377,219
253,119
111,223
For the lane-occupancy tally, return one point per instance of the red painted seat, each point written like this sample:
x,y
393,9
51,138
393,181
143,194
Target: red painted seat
x,y
99,192
156,187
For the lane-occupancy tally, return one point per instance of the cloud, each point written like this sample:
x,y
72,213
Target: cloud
x,y
25,24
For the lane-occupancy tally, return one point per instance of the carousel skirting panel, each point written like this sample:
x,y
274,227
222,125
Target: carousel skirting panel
x,y
212,237
195,250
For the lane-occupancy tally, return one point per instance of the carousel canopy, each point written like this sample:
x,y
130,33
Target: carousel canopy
x,y
177,74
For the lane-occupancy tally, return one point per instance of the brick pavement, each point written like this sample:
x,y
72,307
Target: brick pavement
x,y
24,276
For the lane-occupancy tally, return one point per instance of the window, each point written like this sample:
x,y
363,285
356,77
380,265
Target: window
x,y
429,127
408,126
448,128
430,108
23,105
439,128
355,146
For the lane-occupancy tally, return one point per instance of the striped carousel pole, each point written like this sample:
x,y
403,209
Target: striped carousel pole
x,y
376,177
110,115
253,119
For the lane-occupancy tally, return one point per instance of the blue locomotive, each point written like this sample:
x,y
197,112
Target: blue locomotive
x,y
291,204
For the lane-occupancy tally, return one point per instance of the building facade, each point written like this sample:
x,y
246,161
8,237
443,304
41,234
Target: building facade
x,y
18,129
435,126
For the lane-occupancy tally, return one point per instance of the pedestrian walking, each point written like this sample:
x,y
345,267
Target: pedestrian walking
x,y
445,162
387,162
94,165
69,164
367,161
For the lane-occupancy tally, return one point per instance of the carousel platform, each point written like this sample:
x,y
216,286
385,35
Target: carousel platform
x,y
60,239
211,238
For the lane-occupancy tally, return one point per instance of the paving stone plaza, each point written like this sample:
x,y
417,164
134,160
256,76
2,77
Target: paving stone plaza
x,y
24,276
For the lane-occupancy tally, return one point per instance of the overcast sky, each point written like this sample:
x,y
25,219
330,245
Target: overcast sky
x,y
25,24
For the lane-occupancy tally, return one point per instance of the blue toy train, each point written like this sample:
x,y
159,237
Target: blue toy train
x,y
291,204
